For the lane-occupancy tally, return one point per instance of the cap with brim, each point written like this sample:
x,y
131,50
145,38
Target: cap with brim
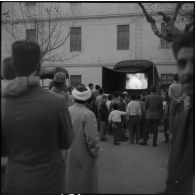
x,y
81,93
60,77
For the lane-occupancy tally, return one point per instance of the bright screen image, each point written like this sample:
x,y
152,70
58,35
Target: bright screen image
x,y
136,81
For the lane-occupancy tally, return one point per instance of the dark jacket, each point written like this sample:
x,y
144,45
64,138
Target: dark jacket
x,y
36,126
153,106
103,112
122,106
180,168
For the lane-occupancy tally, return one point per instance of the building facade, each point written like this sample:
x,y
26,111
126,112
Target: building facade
x,y
96,34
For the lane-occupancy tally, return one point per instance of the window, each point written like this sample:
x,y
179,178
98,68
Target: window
x,y
31,35
75,80
166,78
164,44
122,37
75,39
30,3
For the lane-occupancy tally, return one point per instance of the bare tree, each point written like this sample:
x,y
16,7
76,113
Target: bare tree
x,y
50,32
171,31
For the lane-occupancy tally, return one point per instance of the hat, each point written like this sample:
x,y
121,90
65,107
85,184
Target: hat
x,y
59,77
81,92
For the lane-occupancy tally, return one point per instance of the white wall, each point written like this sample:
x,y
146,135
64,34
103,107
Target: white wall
x,y
99,41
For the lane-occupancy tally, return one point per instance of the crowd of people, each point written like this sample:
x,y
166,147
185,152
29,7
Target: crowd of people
x,y
131,116
53,135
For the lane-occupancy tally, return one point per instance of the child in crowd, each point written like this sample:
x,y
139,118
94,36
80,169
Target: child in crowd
x,y
115,120
103,117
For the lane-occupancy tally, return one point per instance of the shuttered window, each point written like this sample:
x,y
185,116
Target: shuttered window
x,y
75,80
122,37
166,78
75,39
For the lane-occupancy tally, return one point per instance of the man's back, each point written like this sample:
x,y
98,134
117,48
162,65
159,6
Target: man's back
x,y
61,92
99,100
153,106
133,108
36,125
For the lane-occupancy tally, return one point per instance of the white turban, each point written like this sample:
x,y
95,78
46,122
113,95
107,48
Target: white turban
x,y
81,95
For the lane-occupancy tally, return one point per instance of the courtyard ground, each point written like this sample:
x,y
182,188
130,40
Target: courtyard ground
x,y
133,168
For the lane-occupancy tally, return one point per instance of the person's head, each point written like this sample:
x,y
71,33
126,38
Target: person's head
x,y
121,97
128,98
115,94
25,57
133,96
59,79
115,106
7,69
97,87
153,89
104,98
90,86
125,94
81,94
183,52
109,97
101,91
175,77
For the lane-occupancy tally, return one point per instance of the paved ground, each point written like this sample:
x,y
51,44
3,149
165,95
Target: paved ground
x,y
133,168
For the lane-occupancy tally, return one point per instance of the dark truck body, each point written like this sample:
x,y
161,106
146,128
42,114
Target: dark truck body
x,y
115,79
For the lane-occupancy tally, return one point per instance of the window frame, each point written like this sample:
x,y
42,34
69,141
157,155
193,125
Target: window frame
x,y
123,37
72,83
166,80
75,39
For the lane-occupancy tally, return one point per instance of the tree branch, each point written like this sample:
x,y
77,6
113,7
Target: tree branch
x,y
54,48
178,7
148,17
166,18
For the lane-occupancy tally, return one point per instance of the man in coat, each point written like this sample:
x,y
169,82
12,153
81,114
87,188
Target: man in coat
x,y
82,170
176,96
180,168
59,82
153,108
37,128
103,114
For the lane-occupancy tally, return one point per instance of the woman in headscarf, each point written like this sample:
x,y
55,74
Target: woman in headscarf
x,y
82,166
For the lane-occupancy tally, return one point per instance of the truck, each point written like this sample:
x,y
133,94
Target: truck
x,y
130,75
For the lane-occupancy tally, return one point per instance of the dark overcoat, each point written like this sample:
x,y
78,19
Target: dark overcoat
x,y
36,126
180,168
